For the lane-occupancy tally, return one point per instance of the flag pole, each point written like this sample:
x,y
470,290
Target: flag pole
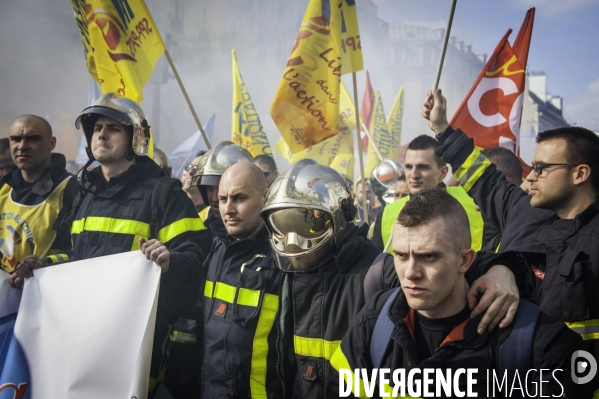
x,y
193,111
363,180
376,148
444,48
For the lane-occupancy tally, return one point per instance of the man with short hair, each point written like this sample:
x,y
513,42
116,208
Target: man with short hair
x,y
34,196
114,213
431,317
400,189
267,164
240,297
6,162
423,169
556,227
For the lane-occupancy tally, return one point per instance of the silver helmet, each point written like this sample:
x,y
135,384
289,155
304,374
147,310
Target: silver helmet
x,y
124,111
383,179
162,160
306,208
215,162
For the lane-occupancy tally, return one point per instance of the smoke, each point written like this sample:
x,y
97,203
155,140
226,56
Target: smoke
x,y
44,71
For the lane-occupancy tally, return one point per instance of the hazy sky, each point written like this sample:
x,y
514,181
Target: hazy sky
x,y
43,70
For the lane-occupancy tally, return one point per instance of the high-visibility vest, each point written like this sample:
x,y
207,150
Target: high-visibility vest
x,y
27,229
474,217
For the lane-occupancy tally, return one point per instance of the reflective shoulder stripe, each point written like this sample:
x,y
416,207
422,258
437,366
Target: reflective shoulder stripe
x,y
111,225
314,347
53,258
339,362
181,226
268,314
472,169
588,329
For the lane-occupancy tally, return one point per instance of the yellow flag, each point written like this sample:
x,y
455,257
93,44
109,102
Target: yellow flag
x,y
380,136
306,106
336,152
394,125
347,111
350,38
121,43
247,130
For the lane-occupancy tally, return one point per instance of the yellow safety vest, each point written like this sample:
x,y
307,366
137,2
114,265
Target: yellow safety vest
x,y
27,229
474,217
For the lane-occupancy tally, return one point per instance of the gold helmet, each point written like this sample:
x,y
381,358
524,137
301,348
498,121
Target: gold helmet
x,y
306,208
383,179
214,163
124,111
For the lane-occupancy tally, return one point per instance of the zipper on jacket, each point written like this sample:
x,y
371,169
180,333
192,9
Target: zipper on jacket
x,y
249,263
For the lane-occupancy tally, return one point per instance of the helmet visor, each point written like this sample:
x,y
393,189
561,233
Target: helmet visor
x,y
296,231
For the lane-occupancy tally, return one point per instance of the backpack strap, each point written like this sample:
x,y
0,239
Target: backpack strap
x,y
374,279
382,332
515,353
160,197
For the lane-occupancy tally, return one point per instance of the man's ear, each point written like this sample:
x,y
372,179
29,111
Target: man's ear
x,y
468,256
582,174
444,171
52,143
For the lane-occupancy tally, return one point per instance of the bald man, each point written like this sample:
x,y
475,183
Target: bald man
x,y
35,193
241,293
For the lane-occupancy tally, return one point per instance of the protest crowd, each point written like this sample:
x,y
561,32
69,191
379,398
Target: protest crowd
x,y
300,283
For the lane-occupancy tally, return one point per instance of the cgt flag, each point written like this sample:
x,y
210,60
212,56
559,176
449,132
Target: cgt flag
x,y
247,130
121,44
394,125
492,110
380,136
306,106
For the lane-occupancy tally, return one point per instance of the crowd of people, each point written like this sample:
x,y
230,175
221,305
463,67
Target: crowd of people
x,y
274,286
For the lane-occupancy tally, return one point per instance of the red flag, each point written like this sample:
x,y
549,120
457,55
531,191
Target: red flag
x,y
492,110
366,111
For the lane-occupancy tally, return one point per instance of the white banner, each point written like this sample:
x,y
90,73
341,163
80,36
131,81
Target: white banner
x,y
86,327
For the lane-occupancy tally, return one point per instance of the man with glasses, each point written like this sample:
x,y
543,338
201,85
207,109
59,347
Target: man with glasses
x,y
556,227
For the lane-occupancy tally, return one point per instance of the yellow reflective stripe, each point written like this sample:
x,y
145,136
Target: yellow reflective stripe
x,y
179,227
472,169
339,361
135,243
596,394
226,292
588,329
248,297
111,225
208,288
268,314
203,214
53,258
314,347
184,338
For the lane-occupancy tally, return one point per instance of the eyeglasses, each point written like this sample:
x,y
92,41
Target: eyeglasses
x,y
266,174
538,167
190,166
